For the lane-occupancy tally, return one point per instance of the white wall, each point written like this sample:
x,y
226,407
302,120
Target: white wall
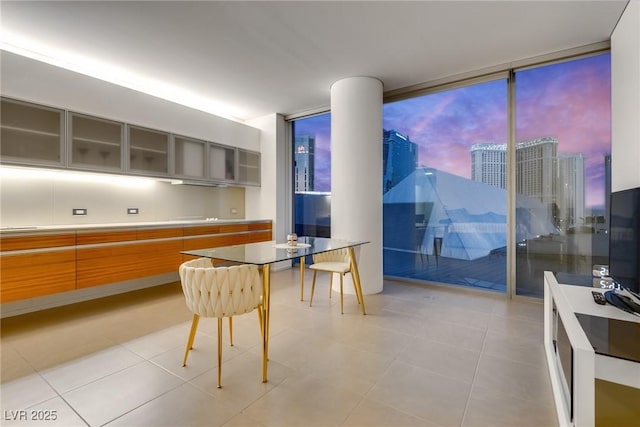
x,y
273,198
625,97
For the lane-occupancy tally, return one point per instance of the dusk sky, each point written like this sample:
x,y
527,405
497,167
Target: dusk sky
x,y
570,101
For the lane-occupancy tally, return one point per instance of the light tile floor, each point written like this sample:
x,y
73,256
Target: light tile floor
x,y
422,356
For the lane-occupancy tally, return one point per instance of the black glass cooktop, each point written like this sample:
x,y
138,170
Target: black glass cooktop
x,y
612,337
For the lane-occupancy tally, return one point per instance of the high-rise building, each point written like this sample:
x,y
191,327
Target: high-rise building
x,y
489,164
399,158
570,194
536,169
304,163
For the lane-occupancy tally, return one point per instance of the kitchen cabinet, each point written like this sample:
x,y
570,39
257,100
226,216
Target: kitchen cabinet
x,y
189,158
39,263
95,143
36,135
31,134
222,163
148,151
248,167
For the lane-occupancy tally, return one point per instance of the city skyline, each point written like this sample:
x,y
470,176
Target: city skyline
x,y
569,101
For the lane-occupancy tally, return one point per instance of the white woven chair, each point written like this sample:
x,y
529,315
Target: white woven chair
x,y
219,292
336,261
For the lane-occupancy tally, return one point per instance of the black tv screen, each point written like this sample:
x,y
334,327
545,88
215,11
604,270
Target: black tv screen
x,y
624,238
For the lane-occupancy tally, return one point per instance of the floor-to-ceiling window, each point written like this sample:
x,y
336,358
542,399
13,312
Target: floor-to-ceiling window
x,y
312,175
563,146
444,183
446,175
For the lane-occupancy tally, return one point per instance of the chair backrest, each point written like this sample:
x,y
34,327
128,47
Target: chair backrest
x,y
338,255
220,291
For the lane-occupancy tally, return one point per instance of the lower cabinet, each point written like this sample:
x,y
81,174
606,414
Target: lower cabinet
x,y
37,274
129,261
39,265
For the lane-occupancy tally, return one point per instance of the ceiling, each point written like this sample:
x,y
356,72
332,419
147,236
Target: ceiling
x,y
249,59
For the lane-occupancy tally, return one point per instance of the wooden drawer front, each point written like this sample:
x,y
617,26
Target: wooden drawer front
x,y
17,243
225,240
211,242
262,236
260,226
158,233
105,237
37,274
105,265
199,230
234,228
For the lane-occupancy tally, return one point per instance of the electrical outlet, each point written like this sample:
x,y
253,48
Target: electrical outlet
x,y
132,211
79,211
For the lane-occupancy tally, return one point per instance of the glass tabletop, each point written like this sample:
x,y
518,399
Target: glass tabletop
x,y
269,252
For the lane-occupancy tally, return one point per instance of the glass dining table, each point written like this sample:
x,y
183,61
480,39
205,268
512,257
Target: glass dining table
x,y
264,254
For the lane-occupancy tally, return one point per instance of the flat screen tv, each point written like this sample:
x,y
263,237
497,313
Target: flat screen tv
x,y
624,238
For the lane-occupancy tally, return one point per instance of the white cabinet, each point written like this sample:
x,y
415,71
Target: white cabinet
x,y
595,381
248,167
148,151
95,144
31,134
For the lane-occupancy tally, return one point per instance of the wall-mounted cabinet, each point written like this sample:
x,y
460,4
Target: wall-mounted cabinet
x,y
248,167
189,158
44,136
222,163
31,134
96,144
148,151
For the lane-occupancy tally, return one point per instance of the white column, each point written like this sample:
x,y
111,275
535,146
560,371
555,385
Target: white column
x,y
356,173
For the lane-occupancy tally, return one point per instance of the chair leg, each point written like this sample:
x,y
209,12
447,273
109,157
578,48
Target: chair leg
x,y
192,335
313,286
341,297
354,287
231,331
219,352
261,319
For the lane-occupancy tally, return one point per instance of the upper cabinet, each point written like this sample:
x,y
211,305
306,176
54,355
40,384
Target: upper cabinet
x,y
248,167
189,159
148,151
222,163
36,135
31,134
96,144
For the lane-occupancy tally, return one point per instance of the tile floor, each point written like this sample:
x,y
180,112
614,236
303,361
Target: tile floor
x,y
422,356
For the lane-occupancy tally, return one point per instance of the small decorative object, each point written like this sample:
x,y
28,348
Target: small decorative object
x,y
292,239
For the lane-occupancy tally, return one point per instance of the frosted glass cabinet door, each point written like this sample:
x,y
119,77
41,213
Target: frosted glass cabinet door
x,y
95,143
189,157
248,167
31,134
222,163
148,151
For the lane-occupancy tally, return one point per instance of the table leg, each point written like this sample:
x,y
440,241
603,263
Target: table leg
x,y
267,308
301,278
356,277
